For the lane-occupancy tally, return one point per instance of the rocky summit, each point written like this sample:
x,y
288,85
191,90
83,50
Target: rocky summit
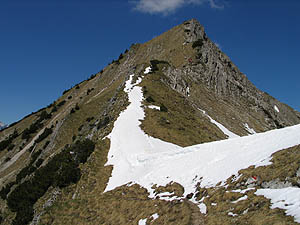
x,y
171,132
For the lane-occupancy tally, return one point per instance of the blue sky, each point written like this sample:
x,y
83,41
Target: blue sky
x,y
47,46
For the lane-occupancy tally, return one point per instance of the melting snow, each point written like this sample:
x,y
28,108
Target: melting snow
x,y
243,191
141,159
147,70
248,129
154,107
155,216
203,208
276,108
220,126
232,214
240,199
142,221
285,198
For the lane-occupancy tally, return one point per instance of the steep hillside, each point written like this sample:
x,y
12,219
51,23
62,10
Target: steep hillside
x,y
155,138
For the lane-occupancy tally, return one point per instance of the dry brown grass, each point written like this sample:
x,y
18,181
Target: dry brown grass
x,y
182,124
124,205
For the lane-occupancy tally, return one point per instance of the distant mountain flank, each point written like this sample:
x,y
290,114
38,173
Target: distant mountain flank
x,y
171,132
2,125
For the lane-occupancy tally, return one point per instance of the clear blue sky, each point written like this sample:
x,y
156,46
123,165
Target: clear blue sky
x,y
47,46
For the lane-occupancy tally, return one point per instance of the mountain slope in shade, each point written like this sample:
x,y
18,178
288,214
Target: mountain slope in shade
x,y
169,133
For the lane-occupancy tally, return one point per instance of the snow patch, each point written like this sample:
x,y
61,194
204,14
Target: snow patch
x,y
147,70
144,160
155,216
188,91
243,191
248,129
285,198
154,107
142,221
203,208
276,108
220,126
232,214
240,199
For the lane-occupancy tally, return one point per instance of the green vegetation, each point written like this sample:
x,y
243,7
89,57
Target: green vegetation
x,y
7,143
34,127
163,108
61,103
44,135
198,43
62,170
154,64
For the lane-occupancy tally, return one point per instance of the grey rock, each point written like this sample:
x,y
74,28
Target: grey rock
x,y
276,184
298,172
213,68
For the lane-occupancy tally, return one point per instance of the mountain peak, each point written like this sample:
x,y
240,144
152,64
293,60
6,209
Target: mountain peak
x,y
193,31
147,119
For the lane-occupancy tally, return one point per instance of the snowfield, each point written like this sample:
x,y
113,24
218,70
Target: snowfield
x,y
284,198
139,158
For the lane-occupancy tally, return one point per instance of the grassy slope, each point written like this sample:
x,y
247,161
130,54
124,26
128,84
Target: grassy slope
x,y
219,200
182,124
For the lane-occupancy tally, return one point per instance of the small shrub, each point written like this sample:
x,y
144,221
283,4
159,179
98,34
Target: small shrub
x,y
5,190
163,108
44,116
44,135
46,144
54,109
150,99
89,119
7,143
61,103
89,91
103,123
66,91
80,128
31,148
39,162
7,159
198,43
92,77
120,57
10,147
154,64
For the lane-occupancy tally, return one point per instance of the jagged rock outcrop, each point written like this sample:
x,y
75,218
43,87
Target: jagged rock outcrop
x,y
207,65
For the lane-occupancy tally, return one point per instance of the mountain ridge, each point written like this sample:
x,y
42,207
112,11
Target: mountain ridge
x,y
190,93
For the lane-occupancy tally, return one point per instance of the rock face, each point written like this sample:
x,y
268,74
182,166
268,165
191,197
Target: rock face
x,y
218,73
204,65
